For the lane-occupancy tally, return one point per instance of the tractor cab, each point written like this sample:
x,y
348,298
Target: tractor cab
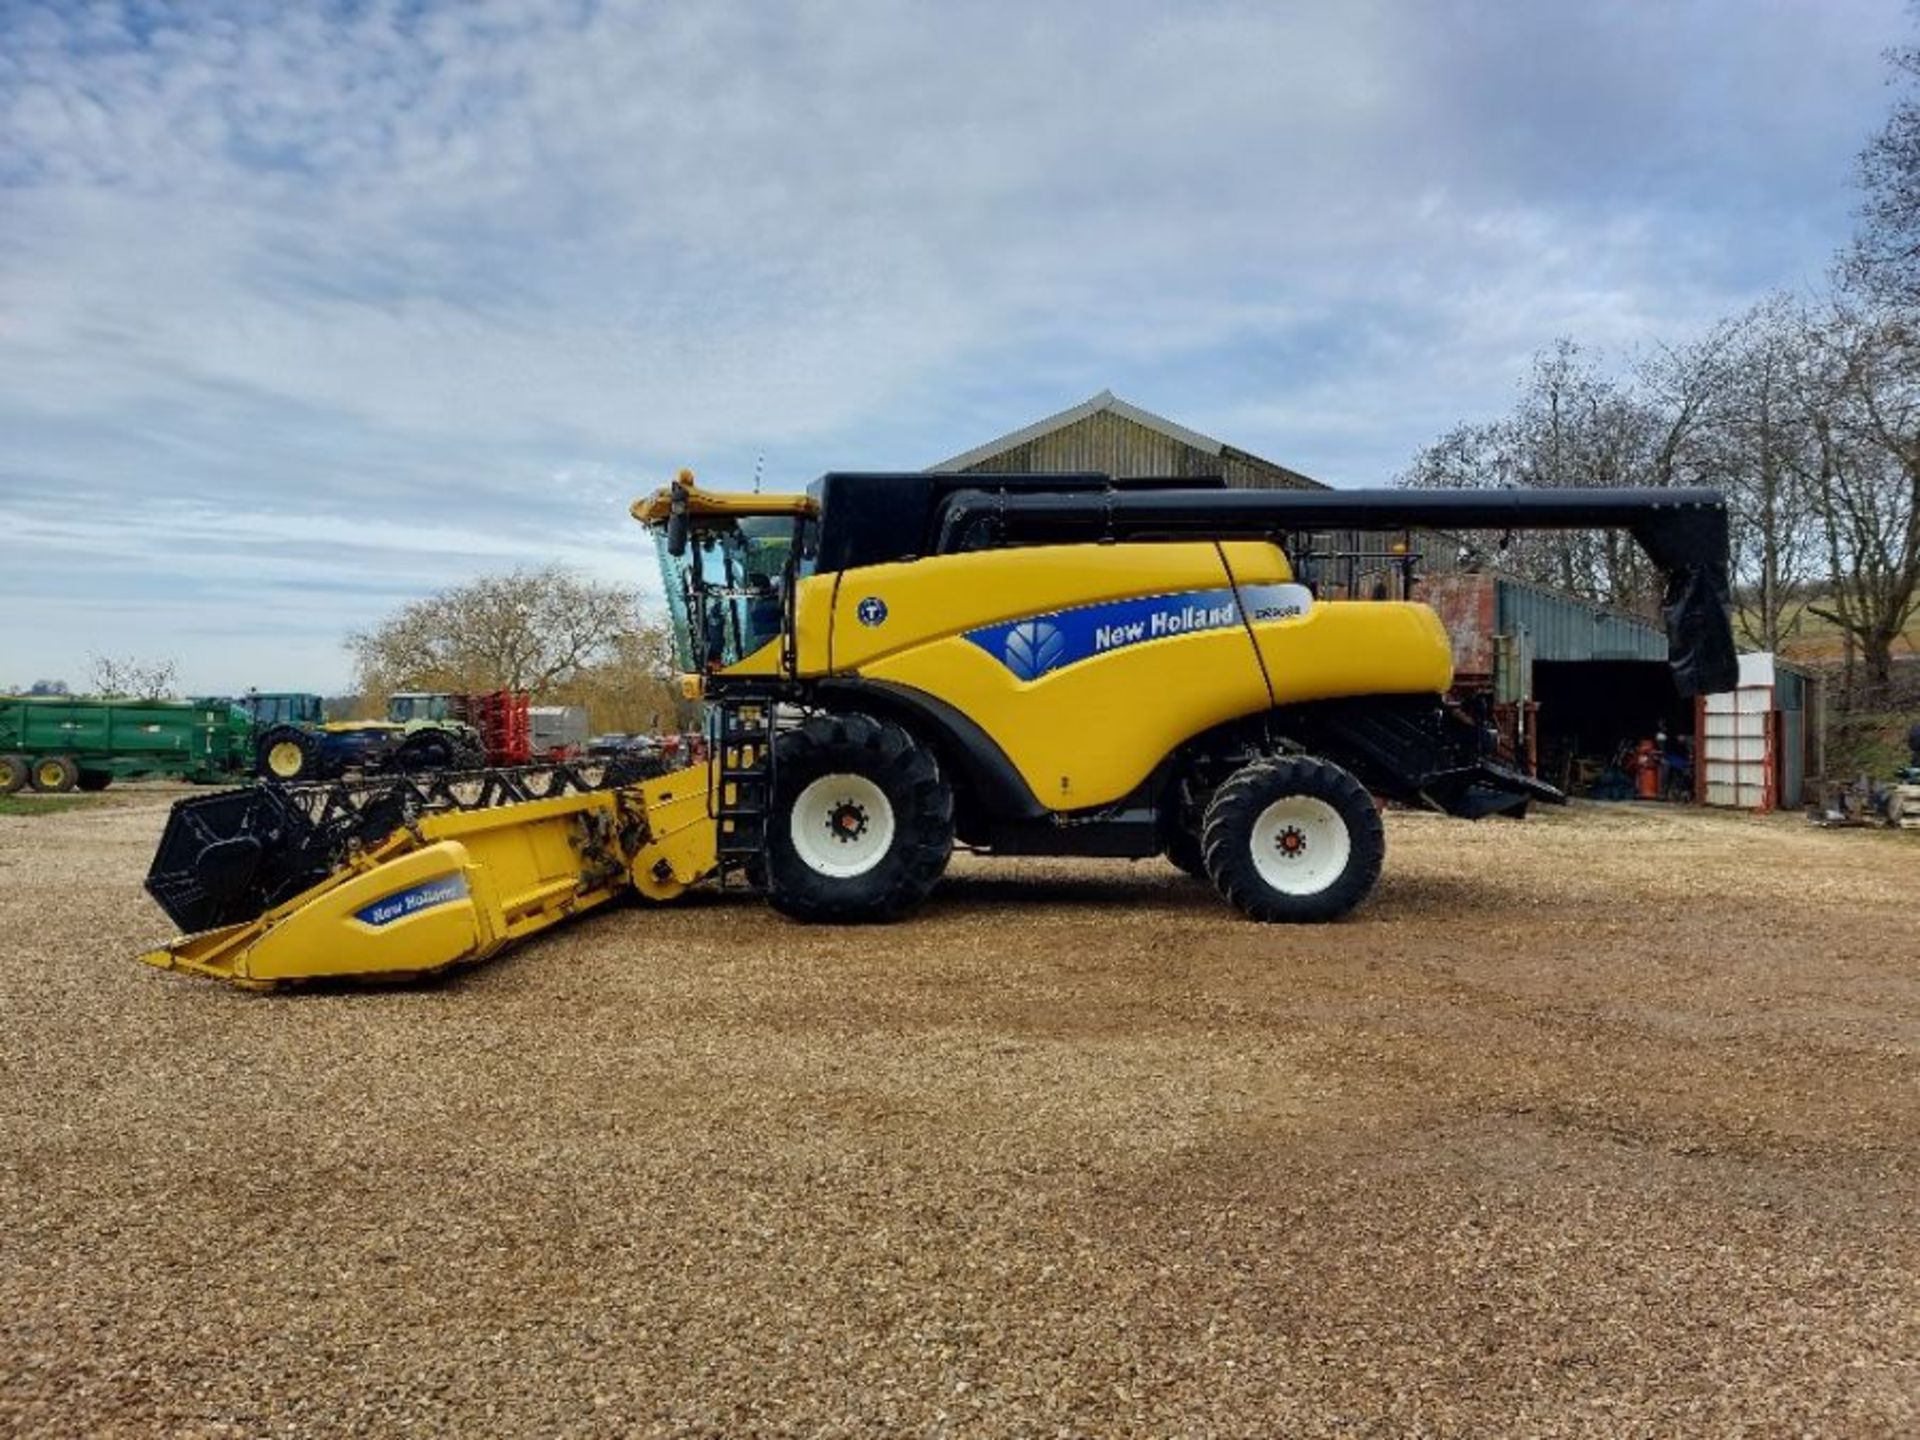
x,y
410,706
729,564
281,709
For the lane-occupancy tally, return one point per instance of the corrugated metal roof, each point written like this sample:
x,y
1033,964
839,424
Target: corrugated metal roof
x,y
1106,401
1563,627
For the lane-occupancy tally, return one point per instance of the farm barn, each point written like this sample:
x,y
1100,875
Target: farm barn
x,y
1574,688
1108,435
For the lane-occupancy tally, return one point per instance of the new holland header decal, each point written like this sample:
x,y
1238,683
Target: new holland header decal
x,y
1040,644
428,895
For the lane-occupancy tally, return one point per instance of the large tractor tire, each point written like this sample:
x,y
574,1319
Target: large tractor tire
x,y
14,771
55,774
861,825
426,750
287,754
95,780
1293,840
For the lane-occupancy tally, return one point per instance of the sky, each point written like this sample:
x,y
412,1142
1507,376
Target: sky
x,y
308,310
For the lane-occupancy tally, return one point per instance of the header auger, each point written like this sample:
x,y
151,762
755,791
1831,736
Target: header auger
x,y
897,664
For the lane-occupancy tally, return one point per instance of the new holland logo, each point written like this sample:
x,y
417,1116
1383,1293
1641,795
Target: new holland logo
x,y
1033,648
1038,645
401,904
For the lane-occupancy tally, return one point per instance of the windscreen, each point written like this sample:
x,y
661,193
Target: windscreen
x,y
726,594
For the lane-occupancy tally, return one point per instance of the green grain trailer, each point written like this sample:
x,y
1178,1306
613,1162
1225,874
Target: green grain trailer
x,y
60,742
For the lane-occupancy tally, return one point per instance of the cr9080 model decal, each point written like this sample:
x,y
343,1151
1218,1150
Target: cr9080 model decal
x,y
1040,644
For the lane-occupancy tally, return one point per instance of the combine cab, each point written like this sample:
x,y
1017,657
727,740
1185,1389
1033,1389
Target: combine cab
x,y
896,665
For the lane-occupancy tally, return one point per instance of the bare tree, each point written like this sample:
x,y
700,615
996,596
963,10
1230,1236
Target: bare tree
x,y
532,630
1573,427
1883,262
1863,409
634,689
1752,441
131,678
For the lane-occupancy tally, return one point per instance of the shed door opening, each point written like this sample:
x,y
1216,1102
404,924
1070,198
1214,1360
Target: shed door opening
x,y
1594,716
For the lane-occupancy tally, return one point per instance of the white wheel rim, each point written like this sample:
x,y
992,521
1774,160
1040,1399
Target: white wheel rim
x,y
1300,845
842,826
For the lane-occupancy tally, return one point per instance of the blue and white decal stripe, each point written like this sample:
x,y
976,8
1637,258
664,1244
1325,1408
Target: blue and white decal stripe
x,y
1037,645
428,895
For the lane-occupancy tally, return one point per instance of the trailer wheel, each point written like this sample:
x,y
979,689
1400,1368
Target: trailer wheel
x,y
861,825
93,780
288,753
1293,840
55,774
13,774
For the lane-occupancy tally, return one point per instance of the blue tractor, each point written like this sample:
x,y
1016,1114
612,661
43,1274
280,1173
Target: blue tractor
x,y
293,739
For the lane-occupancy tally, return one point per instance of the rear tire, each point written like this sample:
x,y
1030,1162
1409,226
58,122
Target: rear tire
x,y
55,774
425,750
95,780
1293,840
14,771
861,825
287,754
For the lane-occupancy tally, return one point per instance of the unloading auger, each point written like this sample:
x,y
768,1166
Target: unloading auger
x,y
895,664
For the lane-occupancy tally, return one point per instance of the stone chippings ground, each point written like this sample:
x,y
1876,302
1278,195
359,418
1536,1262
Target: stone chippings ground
x,y
1602,1123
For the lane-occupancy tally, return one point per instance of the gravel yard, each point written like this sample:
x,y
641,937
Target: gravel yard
x,y
1607,1122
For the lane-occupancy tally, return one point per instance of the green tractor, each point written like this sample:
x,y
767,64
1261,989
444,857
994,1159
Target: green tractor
x,y
434,736
295,741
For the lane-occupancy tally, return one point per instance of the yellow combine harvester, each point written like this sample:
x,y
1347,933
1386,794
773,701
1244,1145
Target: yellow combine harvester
x,y
893,664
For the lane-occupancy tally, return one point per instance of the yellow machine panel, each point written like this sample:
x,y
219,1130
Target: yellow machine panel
x,y
1087,665
881,609
1356,647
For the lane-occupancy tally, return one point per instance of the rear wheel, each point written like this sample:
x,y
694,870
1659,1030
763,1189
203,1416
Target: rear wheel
x,y
288,753
861,826
1293,840
55,774
425,750
13,773
91,780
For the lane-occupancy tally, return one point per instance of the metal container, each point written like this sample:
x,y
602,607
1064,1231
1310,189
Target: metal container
x,y
97,741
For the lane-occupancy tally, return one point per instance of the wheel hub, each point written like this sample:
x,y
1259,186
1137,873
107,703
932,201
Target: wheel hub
x,y
842,825
1300,844
847,822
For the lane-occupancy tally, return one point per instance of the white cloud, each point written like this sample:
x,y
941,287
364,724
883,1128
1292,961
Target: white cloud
x,y
394,270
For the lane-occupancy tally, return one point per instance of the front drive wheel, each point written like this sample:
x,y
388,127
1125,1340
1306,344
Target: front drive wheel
x,y
1293,840
861,825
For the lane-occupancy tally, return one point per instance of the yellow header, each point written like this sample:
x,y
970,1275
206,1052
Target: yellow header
x,y
654,509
